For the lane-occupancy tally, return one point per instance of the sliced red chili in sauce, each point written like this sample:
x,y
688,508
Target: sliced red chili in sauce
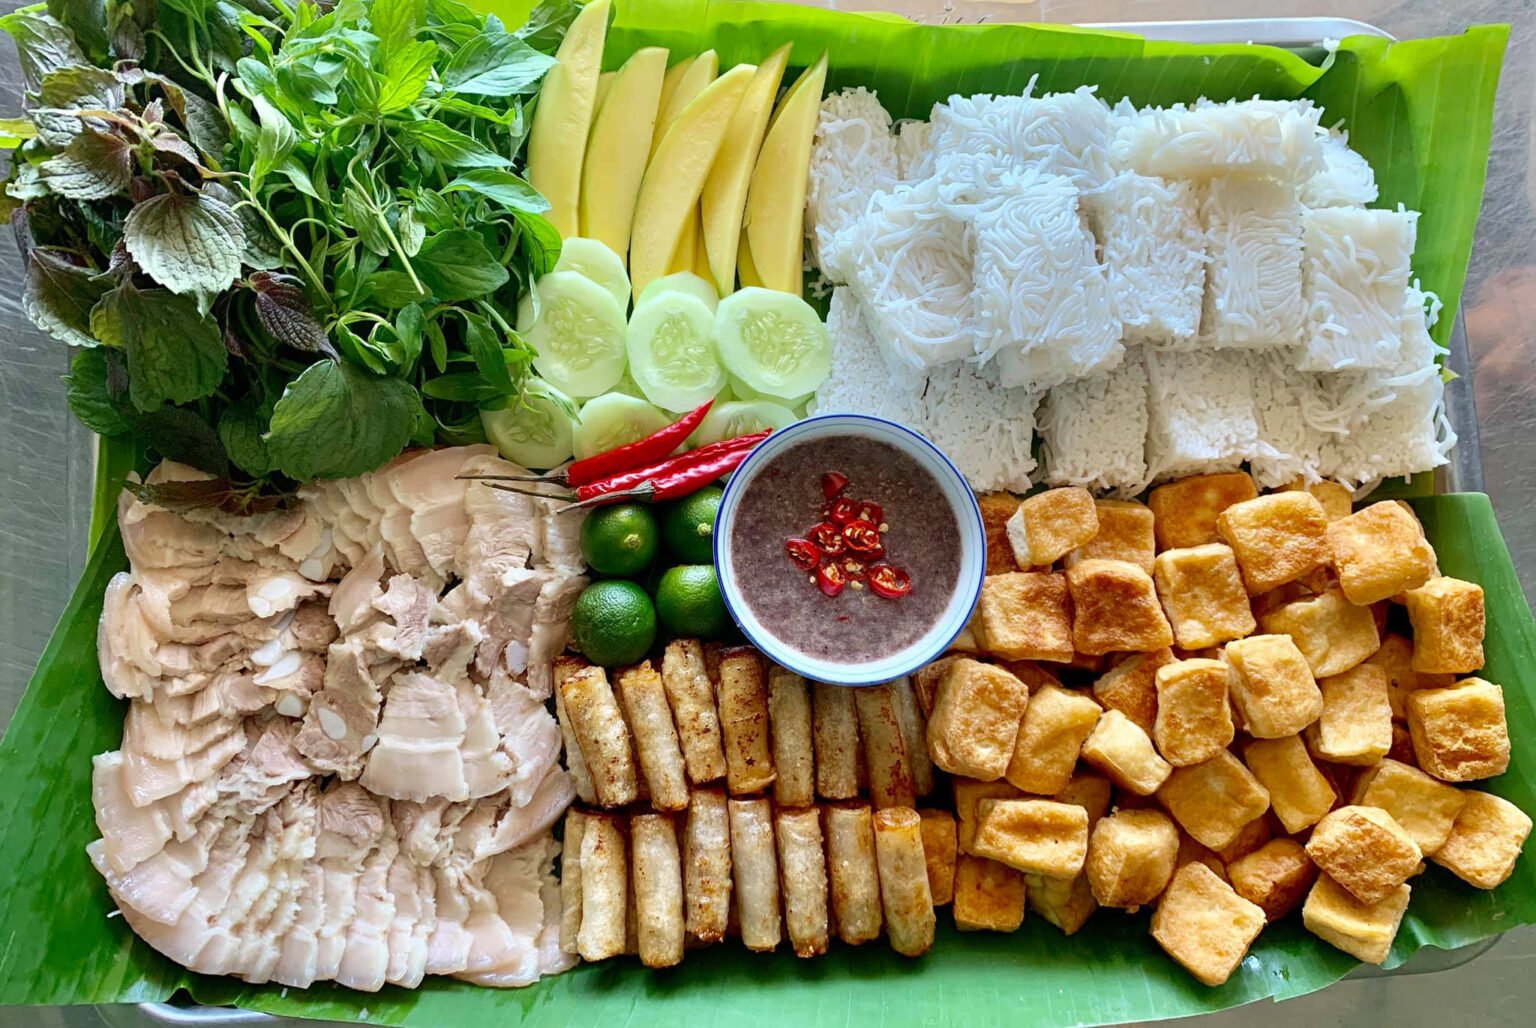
x,y
828,538
804,553
853,569
830,579
863,538
889,581
870,512
833,483
842,510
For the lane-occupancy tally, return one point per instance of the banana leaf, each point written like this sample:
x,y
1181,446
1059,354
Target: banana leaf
x,y
1420,110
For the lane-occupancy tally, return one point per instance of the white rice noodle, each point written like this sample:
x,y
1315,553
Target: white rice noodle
x,y
1094,431
914,157
853,156
987,430
1408,435
1356,281
862,381
1153,253
1253,293
1287,404
1345,179
1276,139
1201,415
1062,133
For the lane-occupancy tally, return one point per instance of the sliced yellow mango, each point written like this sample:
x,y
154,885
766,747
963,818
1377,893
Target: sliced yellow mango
x,y
725,190
674,76
616,153
700,253
700,72
557,142
745,267
774,221
675,177
604,84
687,244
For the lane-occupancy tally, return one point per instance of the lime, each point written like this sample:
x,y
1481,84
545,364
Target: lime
x,y
689,604
619,540
688,526
613,623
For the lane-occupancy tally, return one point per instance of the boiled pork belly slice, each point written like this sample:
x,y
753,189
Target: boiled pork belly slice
x,y
560,538
551,631
408,605
275,911
513,880
129,834
429,486
530,735
401,548
420,734
351,604
324,500
365,961
299,949
275,592
159,887
413,889
507,621
518,824
220,954
501,528
341,719
449,648
148,778
122,677
487,769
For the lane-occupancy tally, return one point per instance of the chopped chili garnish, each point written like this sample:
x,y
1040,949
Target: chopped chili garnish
x,y
804,553
833,483
870,512
863,538
830,579
828,538
843,510
889,581
853,569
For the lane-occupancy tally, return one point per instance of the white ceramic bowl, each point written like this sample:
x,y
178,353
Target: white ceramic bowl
x,y
953,490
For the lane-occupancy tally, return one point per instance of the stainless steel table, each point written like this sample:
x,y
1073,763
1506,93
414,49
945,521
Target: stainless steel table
x,y
45,469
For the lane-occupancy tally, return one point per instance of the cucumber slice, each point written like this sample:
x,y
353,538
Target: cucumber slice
x,y
613,420
536,433
579,334
672,352
598,262
740,417
741,391
681,282
772,341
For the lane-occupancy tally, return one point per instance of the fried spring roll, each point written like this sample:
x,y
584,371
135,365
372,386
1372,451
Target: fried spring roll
x,y
835,730
574,762
885,751
712,652
756,871
855,877
914,732
658,889
601,734
904,894
794,760
650,720
604,889
692,696
803,874
939,850
631,918
744,721
570,879
707,871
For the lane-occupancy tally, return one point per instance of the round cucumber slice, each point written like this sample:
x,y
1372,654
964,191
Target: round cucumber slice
x,y
536,433
579,334
681,282
614,420
774,342
672,352
740,417
595,260
741,391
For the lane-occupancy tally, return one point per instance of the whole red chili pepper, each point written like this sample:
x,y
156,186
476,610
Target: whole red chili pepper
x,y
639,453
670,483
639,476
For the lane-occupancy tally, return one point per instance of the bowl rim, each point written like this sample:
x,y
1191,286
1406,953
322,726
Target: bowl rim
x,y
904,438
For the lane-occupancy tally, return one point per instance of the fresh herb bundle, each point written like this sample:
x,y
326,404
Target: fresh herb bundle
x,y
289,240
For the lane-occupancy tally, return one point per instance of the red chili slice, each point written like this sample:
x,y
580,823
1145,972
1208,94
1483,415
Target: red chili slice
x,y
828,538
843,510
871,512
830,579
833,483
853,569
863,538
889,581
804,553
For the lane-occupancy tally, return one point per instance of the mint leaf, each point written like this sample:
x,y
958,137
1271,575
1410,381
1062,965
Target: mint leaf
x,y
284,311
392,288
89,397
175,354
456,265
58,297
42,44
452,147
405,75
496,65
366,219
275,139
500,187
87,20
481,342
241,428
94,166
336,420
395,22
187,243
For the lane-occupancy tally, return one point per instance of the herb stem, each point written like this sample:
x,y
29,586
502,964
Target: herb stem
x,y
283,237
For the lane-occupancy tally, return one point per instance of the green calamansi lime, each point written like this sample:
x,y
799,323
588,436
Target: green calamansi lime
x,y
688,526
613,623
620,540
689,604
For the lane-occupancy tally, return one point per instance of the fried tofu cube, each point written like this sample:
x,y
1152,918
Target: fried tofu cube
x,y
1485,841
970,640
1202,593
1378,552
1276,876
1277,538
1332,633
1395,657
1090,791
1066,903
1050,738
1337,501
1214,800
975,719
925,683
1038,836
1131,686
1298,792
989,897
1031,674
1186,510
1025,615
1424,806
1356,724
1402,745
1448,625
1249,838
1192,851
1365,850
996,509
1115,608
939,849
968,796
1460,733
1118,747
1125,533
1050,524
1194,720
1131,858
1204,925
1363,930
1272,686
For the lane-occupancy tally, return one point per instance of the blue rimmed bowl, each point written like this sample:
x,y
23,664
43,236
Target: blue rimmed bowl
x,y
953,490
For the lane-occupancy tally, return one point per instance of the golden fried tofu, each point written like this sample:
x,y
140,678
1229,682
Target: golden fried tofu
x,y
1365,850
1190,850
1378,552
1460,733
1298,792
1448,625
1356,724
1050,738
1204,925
1031,674
970,639
1402,745
1049,524
1194,720
1337,501
968,796
1131,686
1485,841
1115,608
1202,593
1038,836
925,683
1276,876
1278,538
1025,615
1118,747
1424,806
1249,838
1186,510
1272,686
1363,930
1214,800
939,852
1395,657
975,719
996,509
1332,633
989,897
1125,533
1131,857
1090,791
1066,903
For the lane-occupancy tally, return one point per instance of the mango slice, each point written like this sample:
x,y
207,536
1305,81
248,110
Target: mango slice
x,y
616,153
774,223
557,142
692,77
604,84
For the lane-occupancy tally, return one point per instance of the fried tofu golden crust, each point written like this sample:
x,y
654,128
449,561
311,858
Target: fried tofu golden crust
x,y
1050,738
1365,850
968,796
1460,734
1337,501
1037,836
1202,593
1131,858
1424,806
1125,533
1186,510
1276,877
1298,792
1067,903
1332,633
1249,838
1378,552
1194,719
975,719
989,897
1118,747
1485,841
1363,930
1025,615
1448,625
1031,674
1204,925
1278,538
1395,657
1356,724
996,509
1050,524
1115,608
1131,686
1213,801
1090,791
1191,851
1272,686
939,848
